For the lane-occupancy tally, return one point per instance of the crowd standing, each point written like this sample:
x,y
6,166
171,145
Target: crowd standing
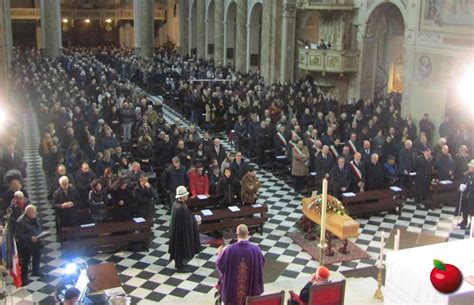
x,y
102,136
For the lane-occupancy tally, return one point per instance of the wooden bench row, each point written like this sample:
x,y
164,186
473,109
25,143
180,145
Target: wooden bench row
x,y
254,216
373,202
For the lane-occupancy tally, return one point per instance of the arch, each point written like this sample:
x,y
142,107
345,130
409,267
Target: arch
x,y
254,36
230,19
382,62
210,28
379,4
251,9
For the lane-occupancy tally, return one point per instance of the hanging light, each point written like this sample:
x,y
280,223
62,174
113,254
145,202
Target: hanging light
x,y
87,20
65,20
108,20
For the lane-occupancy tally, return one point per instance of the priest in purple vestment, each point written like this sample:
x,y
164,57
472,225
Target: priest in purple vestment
x,y
240,267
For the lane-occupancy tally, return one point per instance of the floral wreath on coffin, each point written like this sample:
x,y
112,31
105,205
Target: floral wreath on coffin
x,y
334,206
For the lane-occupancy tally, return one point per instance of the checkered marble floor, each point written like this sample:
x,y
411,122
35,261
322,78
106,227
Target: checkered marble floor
x,y
150,278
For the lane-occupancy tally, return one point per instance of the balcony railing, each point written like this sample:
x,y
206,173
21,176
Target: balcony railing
x,y
328,61
325,4
117,14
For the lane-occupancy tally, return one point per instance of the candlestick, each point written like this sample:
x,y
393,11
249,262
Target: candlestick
x,y
396,245
322,238
382,237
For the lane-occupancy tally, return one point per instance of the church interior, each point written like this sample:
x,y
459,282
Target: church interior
x,y
237,152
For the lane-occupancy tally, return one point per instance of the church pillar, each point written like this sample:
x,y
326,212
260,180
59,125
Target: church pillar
x,y
218,32
5,50
288,51
266,38
241,36
144,24
271,40
184,27
201,28
51,36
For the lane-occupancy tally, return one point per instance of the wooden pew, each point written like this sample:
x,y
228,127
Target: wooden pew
x,y
374,202
222,219
198,204
107,236
444,194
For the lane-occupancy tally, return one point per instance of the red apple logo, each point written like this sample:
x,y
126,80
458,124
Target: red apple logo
x,y
445,278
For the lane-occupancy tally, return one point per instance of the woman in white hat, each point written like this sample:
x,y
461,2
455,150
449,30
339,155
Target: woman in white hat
x,y
184,233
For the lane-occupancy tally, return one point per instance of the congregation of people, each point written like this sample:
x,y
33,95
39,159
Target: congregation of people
x,y
104,140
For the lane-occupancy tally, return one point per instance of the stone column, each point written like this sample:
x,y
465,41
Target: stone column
x,y
219,32
267,38
241,36
288,39
51,36
144,24
184,27
201,28
4,61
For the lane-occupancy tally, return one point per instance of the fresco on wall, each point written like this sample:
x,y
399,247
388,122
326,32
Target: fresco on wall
x,y
451,16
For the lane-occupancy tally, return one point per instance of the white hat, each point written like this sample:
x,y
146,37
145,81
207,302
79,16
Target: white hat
x,y
181,191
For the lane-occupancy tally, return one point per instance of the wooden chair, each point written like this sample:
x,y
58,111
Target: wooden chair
x,y
269,299
331,293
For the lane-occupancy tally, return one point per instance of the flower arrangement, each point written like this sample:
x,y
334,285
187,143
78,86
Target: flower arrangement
x,y
334,206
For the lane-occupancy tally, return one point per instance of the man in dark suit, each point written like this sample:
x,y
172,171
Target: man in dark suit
x,y
324,162
358,170
240,130
217,151
66,201
280,141
424,169
238,166
340,178
13,159
366,152
406,163
445,164
91,150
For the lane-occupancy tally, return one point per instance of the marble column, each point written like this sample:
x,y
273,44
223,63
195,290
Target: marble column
x,y
184,27
144,25
51,36
241,36
288,39
201,28
219,32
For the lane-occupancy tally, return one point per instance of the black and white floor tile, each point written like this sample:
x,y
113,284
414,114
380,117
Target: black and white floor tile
x,y
150,278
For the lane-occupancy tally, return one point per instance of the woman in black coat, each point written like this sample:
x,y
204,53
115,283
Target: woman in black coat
x,y
98,202
226,189
124,200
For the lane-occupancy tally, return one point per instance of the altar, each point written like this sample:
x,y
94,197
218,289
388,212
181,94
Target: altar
x,y
407,280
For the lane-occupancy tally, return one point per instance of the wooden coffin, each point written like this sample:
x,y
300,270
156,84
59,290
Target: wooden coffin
x,y
342,226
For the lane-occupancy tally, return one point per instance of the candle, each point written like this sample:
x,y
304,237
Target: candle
x,y
322,239
396,245
381,249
